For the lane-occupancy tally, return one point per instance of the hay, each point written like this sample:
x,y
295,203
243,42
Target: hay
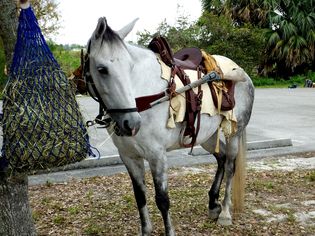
x,y
42,124
40,134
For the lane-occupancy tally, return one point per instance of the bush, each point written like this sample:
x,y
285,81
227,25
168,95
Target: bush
x,y
69,59
244,45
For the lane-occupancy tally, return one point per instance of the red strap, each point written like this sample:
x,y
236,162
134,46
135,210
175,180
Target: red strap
x,y
143,103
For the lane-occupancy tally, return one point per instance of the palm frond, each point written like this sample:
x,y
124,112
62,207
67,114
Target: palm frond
x,y
273,39
288,29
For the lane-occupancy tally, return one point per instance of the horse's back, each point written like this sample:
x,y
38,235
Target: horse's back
x,y
244,89
225,63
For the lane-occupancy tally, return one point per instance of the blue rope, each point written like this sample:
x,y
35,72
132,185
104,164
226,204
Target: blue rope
x,y
37,95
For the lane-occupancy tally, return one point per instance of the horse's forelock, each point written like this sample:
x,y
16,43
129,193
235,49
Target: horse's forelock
x,y
110,35
104,32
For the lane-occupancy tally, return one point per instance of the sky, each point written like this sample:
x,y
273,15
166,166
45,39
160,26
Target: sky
x,y
79,18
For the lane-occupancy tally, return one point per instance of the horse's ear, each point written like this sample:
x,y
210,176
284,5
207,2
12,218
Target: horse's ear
x,y
126,30
100,28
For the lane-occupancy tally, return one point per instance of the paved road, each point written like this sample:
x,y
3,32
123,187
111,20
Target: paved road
x,y
284,113
277,114
280,117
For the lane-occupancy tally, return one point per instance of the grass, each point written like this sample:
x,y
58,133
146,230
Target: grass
x,y
68,60
93,229
58,220
311,176
74,210
268,82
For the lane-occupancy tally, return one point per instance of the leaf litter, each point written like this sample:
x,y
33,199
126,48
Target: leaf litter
x,y
278,201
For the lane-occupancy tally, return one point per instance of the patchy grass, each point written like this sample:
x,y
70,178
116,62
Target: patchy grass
x,y
269,82
311,176
106,206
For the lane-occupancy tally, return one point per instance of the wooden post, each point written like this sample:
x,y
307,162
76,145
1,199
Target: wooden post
x,y
24,4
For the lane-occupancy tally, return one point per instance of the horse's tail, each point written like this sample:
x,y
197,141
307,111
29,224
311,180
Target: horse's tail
x,y
238,187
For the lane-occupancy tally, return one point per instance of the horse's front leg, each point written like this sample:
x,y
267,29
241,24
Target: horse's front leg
x,y
159,168
136,171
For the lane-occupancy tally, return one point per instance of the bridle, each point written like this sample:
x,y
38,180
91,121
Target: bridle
x,y
93,92
89,79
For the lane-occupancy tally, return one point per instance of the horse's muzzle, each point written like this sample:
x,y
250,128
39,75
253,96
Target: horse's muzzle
x,y
127,124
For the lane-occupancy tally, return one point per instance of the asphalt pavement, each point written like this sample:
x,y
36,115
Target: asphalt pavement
x,y
282,123
278,114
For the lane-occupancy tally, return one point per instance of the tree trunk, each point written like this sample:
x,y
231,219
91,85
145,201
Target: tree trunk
x,y
8,27
15,214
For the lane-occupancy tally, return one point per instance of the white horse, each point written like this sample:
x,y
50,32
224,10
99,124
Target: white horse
x,y
122,72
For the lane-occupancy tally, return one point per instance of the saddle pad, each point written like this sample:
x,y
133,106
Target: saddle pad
x,y
178,104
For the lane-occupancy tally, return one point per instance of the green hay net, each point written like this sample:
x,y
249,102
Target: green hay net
x,y
42,123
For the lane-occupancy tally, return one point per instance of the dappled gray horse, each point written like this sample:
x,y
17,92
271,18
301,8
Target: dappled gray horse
x,y
121,72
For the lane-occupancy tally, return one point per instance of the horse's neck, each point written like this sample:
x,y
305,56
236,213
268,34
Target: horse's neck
x,y
146,73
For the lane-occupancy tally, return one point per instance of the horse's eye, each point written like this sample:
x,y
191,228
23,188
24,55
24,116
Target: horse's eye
x,y
103,70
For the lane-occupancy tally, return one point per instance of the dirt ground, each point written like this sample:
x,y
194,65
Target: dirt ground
x,y
279,200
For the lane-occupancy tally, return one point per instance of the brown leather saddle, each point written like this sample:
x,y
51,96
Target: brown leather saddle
x,y
190,58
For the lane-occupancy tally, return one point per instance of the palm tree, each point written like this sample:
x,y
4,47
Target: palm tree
x,y
241,12
291,38
290,28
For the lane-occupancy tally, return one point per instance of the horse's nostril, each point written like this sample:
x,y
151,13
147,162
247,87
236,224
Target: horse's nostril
x,y
126,125
131,127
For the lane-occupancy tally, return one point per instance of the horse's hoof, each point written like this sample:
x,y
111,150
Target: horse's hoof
x,y
146,231
171,233
144,234
224,221
215,212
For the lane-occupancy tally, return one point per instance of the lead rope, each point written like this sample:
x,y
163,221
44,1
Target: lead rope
x,y
102,143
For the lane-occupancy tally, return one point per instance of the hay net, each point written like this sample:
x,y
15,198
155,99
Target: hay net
x,y
42,123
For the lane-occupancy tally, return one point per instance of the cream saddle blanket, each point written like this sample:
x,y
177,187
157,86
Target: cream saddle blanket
x,y
178,104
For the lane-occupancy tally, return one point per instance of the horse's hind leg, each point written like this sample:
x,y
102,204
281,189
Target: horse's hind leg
x,y
214,204
231,154
226,165
136,171
158,167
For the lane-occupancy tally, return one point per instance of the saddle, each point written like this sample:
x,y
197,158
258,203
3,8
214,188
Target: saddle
x,y
188,58
192,59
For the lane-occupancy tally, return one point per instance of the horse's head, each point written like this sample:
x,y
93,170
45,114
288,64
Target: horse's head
x,y
110,67
78,81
